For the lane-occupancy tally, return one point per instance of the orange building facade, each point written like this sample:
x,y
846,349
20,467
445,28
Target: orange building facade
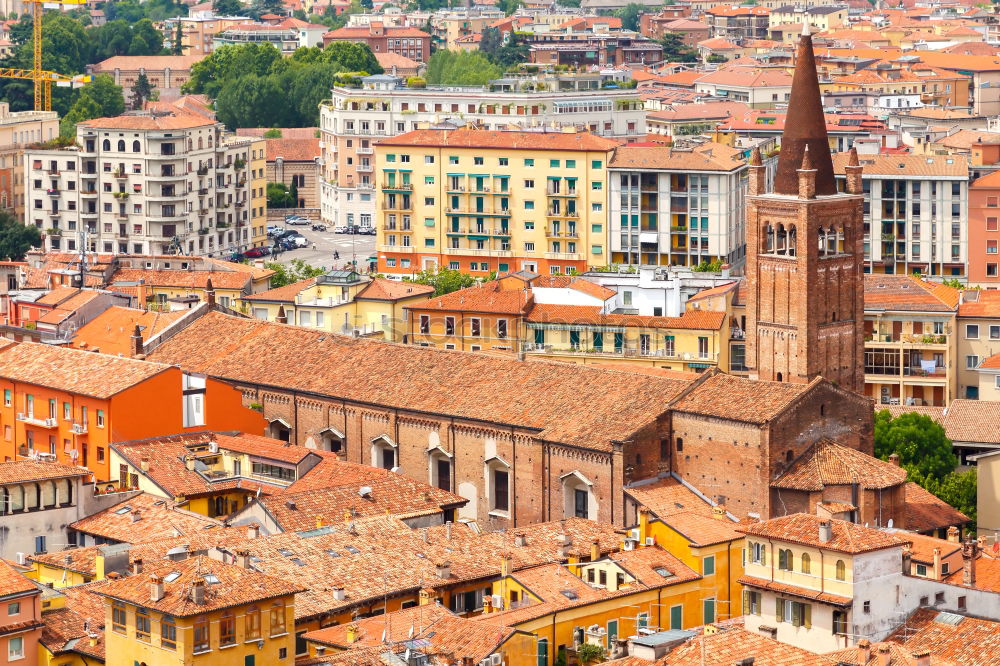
x,y
984,230
69,405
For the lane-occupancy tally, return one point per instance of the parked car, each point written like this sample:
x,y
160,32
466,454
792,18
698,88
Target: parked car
x,y
256,252
298,221
298,241
341,229
293,217
319,227
273,230
367,231
285,233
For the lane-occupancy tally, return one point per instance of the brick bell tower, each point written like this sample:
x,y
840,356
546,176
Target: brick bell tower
x,y
804,276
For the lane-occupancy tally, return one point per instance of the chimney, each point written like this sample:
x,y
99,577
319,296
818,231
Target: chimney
x,y
155,588
447,530
853,171
884,654
210,293
970,551
189,463
937,564
894,459
242,559
136,516
595,550
443,569
758,173
352,633
825,531
953,534
319,522
520,540
643,523
719,512
338,593
864,651
253,531
137,566
922,657
135,347
144,464
907,559
505,564
198,591
281,318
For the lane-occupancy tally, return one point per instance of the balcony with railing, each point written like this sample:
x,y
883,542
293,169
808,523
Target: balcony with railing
x,y
32,420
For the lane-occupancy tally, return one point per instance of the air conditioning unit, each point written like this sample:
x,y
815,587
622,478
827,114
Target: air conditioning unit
x,y
650,541
496,660
21,559
496,601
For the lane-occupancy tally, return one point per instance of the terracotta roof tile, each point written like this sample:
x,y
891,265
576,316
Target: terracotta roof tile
x,y
980,303
803,528
970,641
13,582
57,296
795,590
19,471
591,315
912,166
381,289
730,646
926,512
907,293
708,157
474,138
68,307
737,398
64,627
110,332
236,586
75,371
174,121
487,297
247,350
183,279
963,420
285,294
678,506
827,463
714,291
390,60
143,518
293,150
151,63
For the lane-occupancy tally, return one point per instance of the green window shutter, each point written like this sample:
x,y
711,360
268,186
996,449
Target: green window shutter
x,y
796,614
746,602
763,556
539,336
779,609
807,615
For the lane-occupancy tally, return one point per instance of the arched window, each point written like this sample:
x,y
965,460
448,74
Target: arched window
x,y
785,559
136,146
16,495
31,495
781,240
806,564
778,378
769,238
106,145
48,497
278,429
201,143
252,623
121,145
792,237
841,570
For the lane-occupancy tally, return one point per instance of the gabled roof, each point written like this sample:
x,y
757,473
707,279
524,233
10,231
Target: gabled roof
x,y
730,645
142,518
183,279
905,293
687,513
74,371
961,639
803,528
23,471
110,332
13,582
381,289
707,157
908,166
827,463
739,399
285,294
514,140
486,297
925,511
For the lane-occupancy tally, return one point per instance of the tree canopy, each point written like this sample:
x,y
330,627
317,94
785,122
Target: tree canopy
x,y
675,50
443,280
16,238
629,14
461,68
295,271
228,7
101,98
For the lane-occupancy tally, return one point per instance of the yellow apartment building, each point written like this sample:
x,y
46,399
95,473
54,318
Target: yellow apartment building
x,y
199,611
600,601
342,302
910,347
700,533
482,201
819,583
258,193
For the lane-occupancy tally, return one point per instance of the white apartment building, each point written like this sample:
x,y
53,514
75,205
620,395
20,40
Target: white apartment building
x,y
147,184
916,213
17,130
355,119
677,206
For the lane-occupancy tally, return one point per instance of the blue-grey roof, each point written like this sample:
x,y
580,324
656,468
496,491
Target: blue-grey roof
x,y
660,638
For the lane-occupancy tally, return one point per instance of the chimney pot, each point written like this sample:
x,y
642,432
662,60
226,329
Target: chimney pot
x,y
864,651
155,588
137,565
198,591
825,531
136,516
922,657
443,569
894,459
338,593
520,540
253,531
953,534
884,654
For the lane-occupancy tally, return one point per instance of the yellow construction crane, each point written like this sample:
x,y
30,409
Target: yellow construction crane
x,y
44,79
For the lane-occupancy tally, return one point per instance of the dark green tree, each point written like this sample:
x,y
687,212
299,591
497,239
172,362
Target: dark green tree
x,y
249,102
958,489
141,91
920,443
508,7
514,52
211,73
178,47
675,50
16,238
272,134
367,4
353,57
259,8
293,194
278,196
629,14
227,7
295,271
146,40
491,42
461,68
443,280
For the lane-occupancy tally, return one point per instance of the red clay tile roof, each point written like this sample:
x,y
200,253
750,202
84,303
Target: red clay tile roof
x,y
803,528
64,627
827,463
236,586
905,293
487,297
151,63
683,510
727,397
970,641
57,296
247,350
709,157
293,150
144,518
390,60
963,420
285,294
474,138
68,307
926,512
110,332
381,289
731,645
20,471
365,33
397,626
953,166
183,279
794,590
922,547
13,582
75,371
980,303
175,121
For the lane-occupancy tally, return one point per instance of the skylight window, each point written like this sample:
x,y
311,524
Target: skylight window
x,y
172,576
211,579
569,594
663,571
352,549
285,552
122,511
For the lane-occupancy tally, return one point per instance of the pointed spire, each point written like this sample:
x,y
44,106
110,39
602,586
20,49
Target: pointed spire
x,y
807,164
852,157
805,125
755,157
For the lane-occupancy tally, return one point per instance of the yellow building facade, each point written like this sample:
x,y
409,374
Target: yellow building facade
x,y
482,201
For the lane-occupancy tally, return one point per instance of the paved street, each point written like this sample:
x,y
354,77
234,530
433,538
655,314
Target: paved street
x,y
350,246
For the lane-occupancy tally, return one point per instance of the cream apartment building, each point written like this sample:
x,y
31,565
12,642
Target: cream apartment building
x,y
169,183
355,119
18,129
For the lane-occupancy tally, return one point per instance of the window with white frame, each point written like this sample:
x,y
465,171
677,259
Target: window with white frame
x,y
498,485
972,331
971,362
194,387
